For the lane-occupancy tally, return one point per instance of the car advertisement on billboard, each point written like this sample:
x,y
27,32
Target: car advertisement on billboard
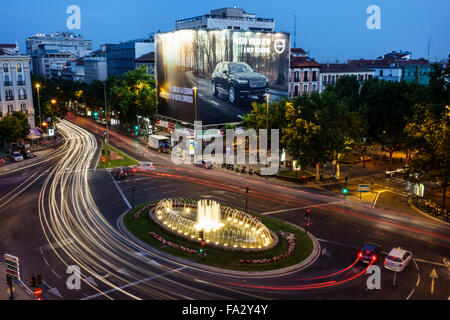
x,y
215,75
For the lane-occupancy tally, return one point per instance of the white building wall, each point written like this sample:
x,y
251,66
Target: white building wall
x,y
13,74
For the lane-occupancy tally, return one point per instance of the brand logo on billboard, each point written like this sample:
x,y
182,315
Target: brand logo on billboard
x,y
279,46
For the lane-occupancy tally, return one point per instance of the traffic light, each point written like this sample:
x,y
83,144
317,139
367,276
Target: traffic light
x,y
103,159
203,243
307,212
344,191
105,133
136,130
33,282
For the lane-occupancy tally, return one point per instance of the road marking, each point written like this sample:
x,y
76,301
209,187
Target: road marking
x,y
433,276
56,244
46,262
447,263
299,208
407,298
132,284
120,191
56,274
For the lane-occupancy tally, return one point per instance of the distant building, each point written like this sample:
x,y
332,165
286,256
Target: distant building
x,y
51,53
121,57
392,67
419,73
227,18
147,60
15,83
331,72
95,66
304,73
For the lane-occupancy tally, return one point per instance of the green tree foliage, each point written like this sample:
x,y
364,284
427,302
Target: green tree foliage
x,y
135,95
15,126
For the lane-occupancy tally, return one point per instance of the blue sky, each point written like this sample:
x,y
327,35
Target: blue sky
x,y
330,29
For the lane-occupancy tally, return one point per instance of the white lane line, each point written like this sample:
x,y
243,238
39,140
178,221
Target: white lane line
x,y
46,262
40,249
430,262
56,274
132,284
120,191
299,208
57,244
411,293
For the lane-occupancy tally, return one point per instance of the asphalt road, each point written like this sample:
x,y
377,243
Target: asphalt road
x,y
69,217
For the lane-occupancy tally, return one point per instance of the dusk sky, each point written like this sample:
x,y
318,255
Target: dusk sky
x,y
331,30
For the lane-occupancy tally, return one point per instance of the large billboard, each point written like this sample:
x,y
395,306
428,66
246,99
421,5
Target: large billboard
x,y
215,75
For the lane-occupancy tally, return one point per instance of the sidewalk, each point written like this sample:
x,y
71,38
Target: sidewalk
x,y
10,165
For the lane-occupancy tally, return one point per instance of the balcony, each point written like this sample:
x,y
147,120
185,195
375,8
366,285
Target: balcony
x,y
20,83
8,83
9,98
24,97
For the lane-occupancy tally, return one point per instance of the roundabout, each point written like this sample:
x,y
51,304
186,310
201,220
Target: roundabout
x,y
219,238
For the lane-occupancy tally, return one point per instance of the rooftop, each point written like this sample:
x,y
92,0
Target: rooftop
x,y
149,57
301,62
343,67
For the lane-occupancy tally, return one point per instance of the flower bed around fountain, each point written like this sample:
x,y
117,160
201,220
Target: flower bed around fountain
x,y
222,227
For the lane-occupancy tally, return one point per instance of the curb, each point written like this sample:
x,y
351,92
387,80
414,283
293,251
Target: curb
x,y
256,274
426,214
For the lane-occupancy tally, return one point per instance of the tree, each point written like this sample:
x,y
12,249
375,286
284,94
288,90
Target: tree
x,y
432,136
135,95
14,127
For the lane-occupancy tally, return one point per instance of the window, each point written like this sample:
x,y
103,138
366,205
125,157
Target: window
x,y
295,90
10,108
19,67
296,76
314,76
324,80
381,73
332,80
313,87
5,67
305,76
305,88
23,107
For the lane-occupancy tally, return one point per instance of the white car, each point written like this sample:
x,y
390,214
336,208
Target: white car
x,y
145,166
397,259
17,156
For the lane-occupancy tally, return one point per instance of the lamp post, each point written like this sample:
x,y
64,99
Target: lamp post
x,y
106,117
39,104
267,118
195,104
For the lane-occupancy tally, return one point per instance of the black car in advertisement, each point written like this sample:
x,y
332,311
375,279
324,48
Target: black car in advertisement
x,y
238,80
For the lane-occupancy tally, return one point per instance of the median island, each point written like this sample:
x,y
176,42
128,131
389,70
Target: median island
x,y
212,234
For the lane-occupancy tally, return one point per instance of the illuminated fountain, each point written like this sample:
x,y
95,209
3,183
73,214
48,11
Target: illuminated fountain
x,y
222,226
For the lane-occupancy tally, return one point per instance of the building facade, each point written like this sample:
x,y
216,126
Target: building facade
x,y
15,86
304,74
419,73
331,72
227,18
95,67
120,58
148,61
51,53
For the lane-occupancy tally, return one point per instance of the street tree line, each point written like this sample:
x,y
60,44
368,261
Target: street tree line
x,y
399,116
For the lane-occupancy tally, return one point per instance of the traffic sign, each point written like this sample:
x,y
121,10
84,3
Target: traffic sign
x,y
12,266
37,292
363,188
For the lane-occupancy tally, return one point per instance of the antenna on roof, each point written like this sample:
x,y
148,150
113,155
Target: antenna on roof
x,y
295,31
429,46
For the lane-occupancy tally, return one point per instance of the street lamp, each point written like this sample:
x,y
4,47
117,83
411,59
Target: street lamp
x,y
106,117
39,103
195,104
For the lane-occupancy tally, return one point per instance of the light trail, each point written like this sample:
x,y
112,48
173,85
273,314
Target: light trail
x,y
68,211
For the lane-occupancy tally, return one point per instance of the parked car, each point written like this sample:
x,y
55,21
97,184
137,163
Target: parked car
x,y
17,156
369,252
27,154
397,259
238,80
204,164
